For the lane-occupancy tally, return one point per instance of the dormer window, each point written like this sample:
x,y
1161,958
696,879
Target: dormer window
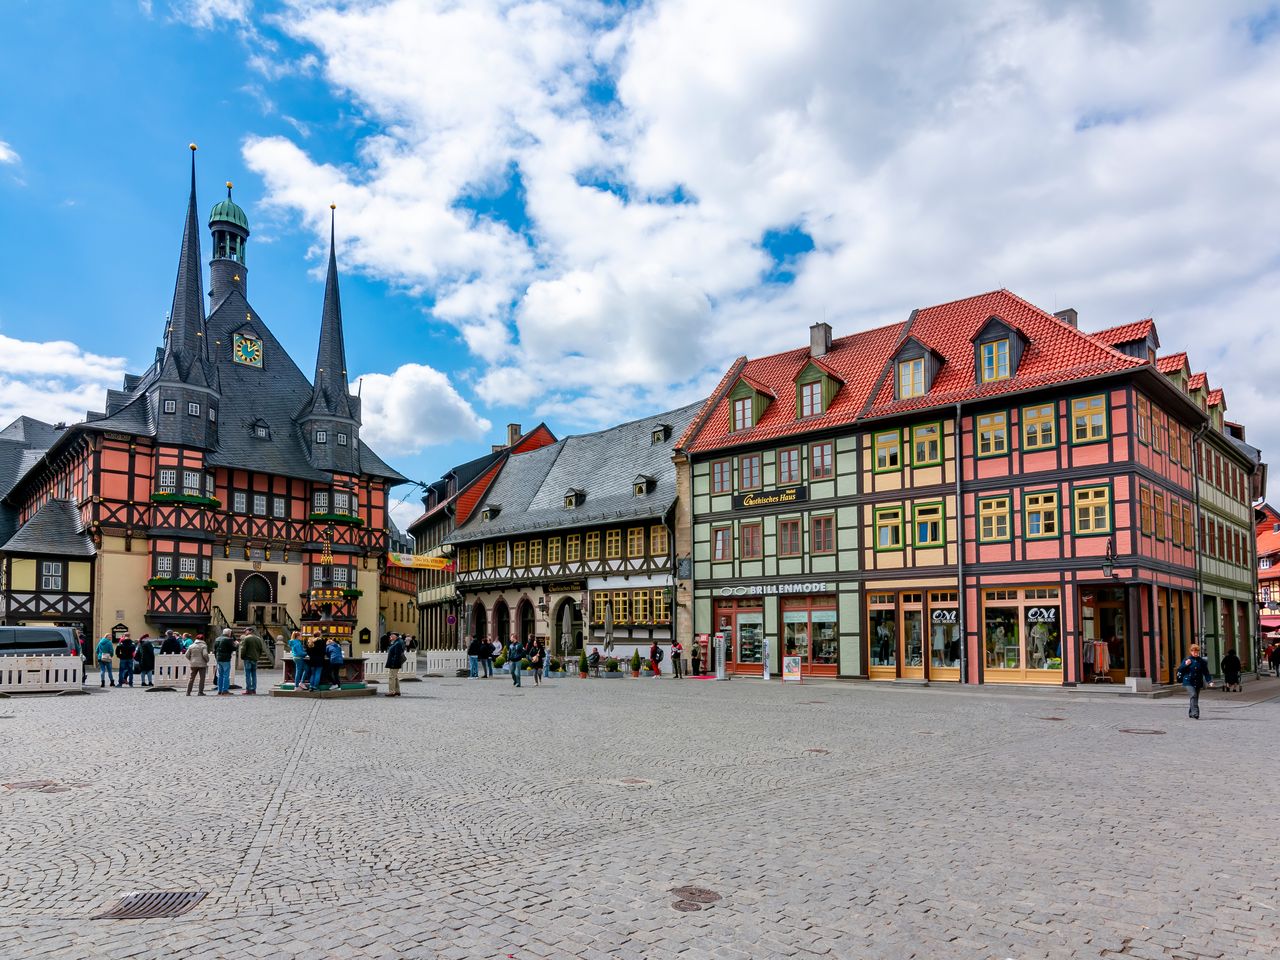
x,y
322,436
911,378
642,485
811,399
816,387
573,498
748,401
995,361
742,413
260,430
661,433
491,512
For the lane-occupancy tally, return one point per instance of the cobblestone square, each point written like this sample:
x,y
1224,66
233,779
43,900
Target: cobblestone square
x,y
470,819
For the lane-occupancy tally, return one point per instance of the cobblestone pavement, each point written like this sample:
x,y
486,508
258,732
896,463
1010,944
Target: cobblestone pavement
x,y
472,820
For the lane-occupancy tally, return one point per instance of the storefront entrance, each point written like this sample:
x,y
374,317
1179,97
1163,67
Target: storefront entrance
x,y
1104,633
911,639
809,632
742,623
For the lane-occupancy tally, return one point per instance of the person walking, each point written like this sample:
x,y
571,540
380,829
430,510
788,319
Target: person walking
x,y
473,657
486,658
251,650
655,658
333,653
677,648
104,651
536,656
1273,658
1231,672
395,660
298,651
146,661
515,653
224,648
1193,673
197,664
124,652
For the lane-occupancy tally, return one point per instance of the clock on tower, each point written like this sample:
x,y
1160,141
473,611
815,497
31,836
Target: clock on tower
x,y
247,350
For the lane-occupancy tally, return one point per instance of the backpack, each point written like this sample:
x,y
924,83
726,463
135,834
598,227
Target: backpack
x,y
658,655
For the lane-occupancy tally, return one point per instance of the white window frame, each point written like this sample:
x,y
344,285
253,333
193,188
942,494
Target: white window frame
x,y
186,566
167,480
279,508
51,574
164,566
193,408
170,406
240,499
342,439
322,436
320,501
191,482
259,504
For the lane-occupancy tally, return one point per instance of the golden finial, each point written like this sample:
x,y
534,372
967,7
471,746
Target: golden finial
x,y
192,146
333,206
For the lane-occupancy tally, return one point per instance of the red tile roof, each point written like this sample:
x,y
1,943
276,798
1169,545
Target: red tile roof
x,y
1216,397
1198,381
856,360
1056,352
1173,363
1125,333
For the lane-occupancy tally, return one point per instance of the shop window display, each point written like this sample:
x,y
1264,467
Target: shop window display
x,y
795,633
750,633
825,647
912,638
884,638
944,630
1000,629
1044,647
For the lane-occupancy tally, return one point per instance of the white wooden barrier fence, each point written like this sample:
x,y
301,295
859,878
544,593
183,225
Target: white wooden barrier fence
x,y
36,674
446,662
174,669
375,665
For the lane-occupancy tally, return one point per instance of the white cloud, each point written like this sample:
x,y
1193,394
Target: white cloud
x,y
54,380
1116,157
413,408
208,14
8,154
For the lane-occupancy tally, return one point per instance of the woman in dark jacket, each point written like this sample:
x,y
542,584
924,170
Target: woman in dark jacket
x,y
145,662
1231,670
316,660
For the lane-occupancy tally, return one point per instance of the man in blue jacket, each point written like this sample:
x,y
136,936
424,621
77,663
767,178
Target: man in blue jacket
x,y
1193,673
395,660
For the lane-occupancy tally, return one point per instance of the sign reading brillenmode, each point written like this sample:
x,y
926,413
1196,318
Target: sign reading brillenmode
x,y
771,498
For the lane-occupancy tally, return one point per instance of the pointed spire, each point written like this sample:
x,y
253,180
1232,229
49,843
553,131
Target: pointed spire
x,y
185,353
330,394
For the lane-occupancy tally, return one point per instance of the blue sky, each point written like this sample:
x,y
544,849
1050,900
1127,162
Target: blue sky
x,y
579,212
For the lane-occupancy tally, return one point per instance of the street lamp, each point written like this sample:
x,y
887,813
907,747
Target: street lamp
x,y
1109,562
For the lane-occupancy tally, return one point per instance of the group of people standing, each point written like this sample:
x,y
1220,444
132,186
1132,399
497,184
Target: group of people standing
x,y
482,652
318,665
249,646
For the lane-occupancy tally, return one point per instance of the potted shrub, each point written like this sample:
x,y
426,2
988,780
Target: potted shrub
x,y
526,663
611,667
557,667
499,662
582,665
635,663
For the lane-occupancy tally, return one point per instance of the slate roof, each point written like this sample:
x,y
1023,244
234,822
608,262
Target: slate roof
x,y
22,444
1125,332
53,530
31,431
464,474
1056,352
531,486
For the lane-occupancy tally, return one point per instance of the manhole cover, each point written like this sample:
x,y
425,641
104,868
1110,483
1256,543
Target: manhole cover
x,y
686,906
1051,718
153,903
1142,733
818,750
696,894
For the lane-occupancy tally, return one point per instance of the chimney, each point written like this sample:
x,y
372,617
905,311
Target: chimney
x,y
819,339
1070,316
497,448
513,434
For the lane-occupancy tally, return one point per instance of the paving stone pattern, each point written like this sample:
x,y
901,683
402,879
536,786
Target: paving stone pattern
x,y
469,821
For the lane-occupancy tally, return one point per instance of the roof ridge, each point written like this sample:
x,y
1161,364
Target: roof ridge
x,y
709,405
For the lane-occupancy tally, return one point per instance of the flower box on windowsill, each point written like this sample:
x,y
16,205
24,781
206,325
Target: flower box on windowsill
x,y
336,518
352,594
180,583
190,499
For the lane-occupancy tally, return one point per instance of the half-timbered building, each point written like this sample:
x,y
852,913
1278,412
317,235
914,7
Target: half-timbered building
x,y
204,491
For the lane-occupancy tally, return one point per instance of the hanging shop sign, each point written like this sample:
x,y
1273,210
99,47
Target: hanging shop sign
x,y
773,589
419,561
945,616
771,498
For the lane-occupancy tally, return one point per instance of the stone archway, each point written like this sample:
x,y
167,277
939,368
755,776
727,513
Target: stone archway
x,y
565,628
501,623
525,621
479,622
254,588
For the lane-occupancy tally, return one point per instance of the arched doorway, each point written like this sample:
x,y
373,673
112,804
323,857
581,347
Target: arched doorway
x,y
501,622
479,622
255,588
566,628
524,613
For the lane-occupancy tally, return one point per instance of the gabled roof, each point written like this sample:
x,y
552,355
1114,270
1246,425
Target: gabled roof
x,y
1216,397
758,387
857,359
532,485
1198,381
53,530
1173,363
31,431
822,365
1056,352
1126,333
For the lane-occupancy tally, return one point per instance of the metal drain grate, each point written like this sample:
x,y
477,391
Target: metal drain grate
x,y
1142,733
686,906
152,903
696,894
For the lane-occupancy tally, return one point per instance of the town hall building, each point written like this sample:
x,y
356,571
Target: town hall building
x,y
205,491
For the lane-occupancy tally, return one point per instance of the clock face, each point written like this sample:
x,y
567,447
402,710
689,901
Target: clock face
x,y
247,350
